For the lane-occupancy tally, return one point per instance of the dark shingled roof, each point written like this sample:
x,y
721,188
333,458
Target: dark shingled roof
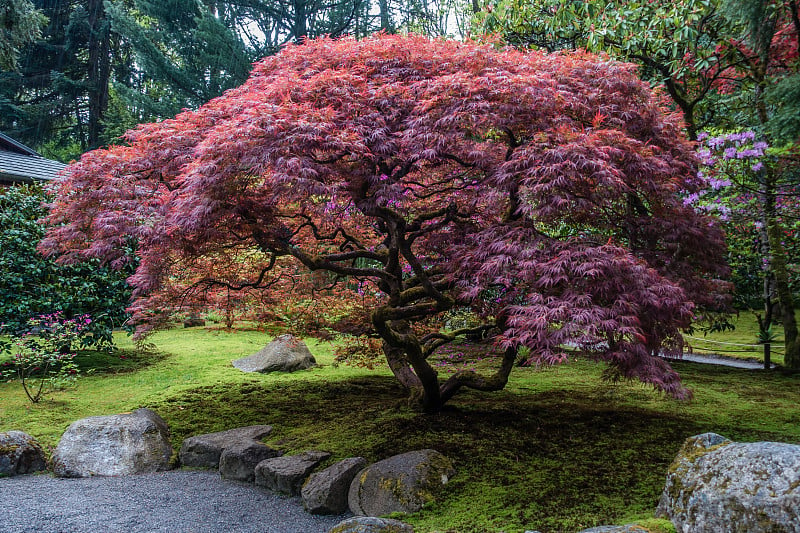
x,y
20,164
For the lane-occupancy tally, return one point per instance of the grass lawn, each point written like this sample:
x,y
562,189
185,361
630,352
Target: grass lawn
x,y
742,341
557,450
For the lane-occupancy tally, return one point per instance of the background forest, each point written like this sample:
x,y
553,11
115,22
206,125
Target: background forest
x,y
95,69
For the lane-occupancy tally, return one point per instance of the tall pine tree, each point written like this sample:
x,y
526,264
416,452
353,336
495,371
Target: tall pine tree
x,y
102,66
20,24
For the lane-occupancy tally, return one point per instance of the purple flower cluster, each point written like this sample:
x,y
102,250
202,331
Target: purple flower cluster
x,y
733,146
691,199
718,155
737,139
717,184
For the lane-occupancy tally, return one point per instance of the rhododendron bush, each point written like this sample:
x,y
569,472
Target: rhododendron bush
x,y
538,192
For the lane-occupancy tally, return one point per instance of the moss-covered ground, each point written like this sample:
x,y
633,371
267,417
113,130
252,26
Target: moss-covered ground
x,y
557,450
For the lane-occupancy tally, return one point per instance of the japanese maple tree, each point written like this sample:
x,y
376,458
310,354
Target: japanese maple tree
x,y
539,192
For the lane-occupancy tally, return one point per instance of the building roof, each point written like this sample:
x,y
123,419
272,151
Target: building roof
x,y
20,164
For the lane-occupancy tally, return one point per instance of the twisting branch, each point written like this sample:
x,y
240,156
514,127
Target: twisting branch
x,y
316,262
424,280
257,284
309,223
473,380
434,341
417,223
415,292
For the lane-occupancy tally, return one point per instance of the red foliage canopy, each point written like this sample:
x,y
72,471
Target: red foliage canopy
x,y
539,191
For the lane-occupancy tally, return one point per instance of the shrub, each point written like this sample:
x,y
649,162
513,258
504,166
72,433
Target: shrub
x,y
33,285
41,356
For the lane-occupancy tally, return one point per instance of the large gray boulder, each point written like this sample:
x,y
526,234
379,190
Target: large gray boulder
x,y
371,524
715,485
115,445
239,462
399,484
325,492
204,451
284,354
286,474
20,454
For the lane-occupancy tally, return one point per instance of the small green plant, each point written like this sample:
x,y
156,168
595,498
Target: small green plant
x,y
41,356
766,336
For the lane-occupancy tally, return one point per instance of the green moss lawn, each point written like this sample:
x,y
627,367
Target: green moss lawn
x,y
557,450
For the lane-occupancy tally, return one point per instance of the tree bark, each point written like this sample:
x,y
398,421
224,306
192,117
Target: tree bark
x,y
398,364
777,268
406,359
473,380
385,17
791,358
99,49
300,23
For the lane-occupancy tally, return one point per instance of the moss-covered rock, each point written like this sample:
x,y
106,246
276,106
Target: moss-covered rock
x,y
400,484
371,524
715,484
20,454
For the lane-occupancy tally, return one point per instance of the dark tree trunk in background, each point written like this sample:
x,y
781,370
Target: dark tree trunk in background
x,y
99,70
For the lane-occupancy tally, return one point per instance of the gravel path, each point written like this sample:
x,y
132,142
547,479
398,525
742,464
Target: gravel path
x,y
175,502
711,359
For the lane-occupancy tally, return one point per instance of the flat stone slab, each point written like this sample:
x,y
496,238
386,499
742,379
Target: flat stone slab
x,y
239,462
286,474
630,528
204,451
371,524
325,492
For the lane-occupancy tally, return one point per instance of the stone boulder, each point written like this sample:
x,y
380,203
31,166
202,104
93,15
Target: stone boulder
x,y
115,445
630,528
204,451
193,322
239,462
715,484
20,454
284,354
325,492
399,484
371,524
286,474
